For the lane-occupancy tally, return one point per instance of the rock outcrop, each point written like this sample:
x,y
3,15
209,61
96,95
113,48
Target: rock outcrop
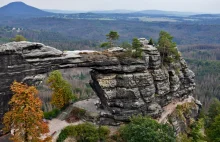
x,y
181,113
126,86
140,86
183,116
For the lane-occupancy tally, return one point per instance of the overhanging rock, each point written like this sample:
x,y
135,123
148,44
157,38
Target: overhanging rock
x,y
126,86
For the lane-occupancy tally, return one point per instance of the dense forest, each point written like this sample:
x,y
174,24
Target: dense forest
x,y
72,33
204,60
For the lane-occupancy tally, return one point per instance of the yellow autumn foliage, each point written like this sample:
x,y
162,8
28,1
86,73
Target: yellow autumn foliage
x,y
62,91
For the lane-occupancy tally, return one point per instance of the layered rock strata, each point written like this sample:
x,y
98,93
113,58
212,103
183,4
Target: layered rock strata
x,y
126,86
140,86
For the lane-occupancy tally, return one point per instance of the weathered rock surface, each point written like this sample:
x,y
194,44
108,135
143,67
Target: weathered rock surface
x,y
125,86
145,91
181,113
184,116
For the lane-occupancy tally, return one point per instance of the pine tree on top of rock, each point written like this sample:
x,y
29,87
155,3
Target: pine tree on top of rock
x,y
112,36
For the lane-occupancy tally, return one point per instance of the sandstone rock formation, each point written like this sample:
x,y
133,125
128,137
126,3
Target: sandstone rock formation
x,y
140,86
126,86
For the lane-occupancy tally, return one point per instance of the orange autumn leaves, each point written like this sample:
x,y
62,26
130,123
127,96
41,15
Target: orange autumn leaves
x,y
25,117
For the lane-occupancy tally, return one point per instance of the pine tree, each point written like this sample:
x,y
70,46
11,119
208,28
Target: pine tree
x,y
214,110
167,47
151,42
213,131
136,46
111,37
25,117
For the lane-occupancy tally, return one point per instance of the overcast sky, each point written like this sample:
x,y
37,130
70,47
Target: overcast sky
x,y
205,6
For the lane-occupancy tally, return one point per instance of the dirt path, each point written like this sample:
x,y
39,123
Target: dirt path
x,y
172,106
56,125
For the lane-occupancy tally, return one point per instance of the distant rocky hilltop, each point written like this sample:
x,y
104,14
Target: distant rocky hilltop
x,y
126,86
19,10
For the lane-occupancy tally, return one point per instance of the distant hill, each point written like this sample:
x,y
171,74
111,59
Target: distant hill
x,y
123,11
21,10
160,12
113,11
63,11
206,16
96,12
148,12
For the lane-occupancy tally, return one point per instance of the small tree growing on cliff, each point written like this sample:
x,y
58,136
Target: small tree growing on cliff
x,y
111,37
167,47
25,117
151,42
19,38
136,46
62,92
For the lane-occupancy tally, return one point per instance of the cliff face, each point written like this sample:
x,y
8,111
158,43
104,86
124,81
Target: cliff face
x,y
126,86
140,86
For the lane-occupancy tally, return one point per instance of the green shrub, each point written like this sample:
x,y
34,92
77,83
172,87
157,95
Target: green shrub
x,y
137,54
63,135
144,129
71,131
130,54
103,132
19,38
51,114
85,132
183,138
133,50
